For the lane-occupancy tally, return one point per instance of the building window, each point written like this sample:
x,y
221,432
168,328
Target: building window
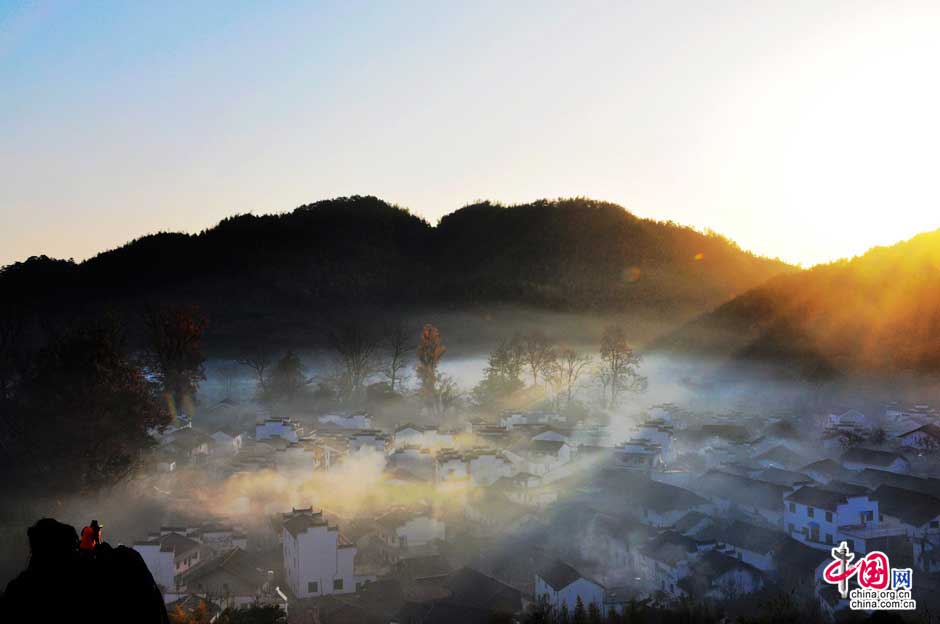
x,y
337,584
792,508
810,512
869,516
790,528
312,587
828,516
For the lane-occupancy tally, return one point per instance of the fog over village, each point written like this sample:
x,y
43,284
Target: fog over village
x,y
469,313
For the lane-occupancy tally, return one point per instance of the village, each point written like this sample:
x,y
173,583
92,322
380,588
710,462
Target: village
x,y
528,510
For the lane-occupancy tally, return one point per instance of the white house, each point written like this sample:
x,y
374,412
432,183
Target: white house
x,y
547,455
358,420
917,512
509,419
318,560
716,576
923,438
226,441
159,560
665,560
297,457
185,551
851,418
754,545
283,428
421,436
188,443
481,465
640,455
368,439
815,516
736,496
861,458
449,465
662,504
417,461
658,432
560,584
484,466
410,529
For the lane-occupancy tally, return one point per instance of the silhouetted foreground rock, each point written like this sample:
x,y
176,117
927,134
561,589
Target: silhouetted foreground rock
x,y
61,584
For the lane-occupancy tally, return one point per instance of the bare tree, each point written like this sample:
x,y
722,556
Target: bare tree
x,y
447,395
228,373
259,361
618,371
566,369
357,350
537,353
398,342
174,352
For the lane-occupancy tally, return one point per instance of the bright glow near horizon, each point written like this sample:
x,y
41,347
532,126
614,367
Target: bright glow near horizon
x,y
803,130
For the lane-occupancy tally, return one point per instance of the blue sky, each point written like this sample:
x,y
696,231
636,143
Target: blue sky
x,y
803,130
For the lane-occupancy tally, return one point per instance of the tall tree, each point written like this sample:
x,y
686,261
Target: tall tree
x,y
356,349
429,353
83,414
618,371
287,377
175,355
398,343
502,376
258,360
537,353
565,371
447,394
580,615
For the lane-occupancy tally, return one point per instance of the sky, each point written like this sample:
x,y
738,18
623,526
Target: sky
x,y
807,131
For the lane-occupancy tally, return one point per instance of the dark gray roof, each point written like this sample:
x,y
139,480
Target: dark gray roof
x,y
782,455
817,497
913,508
930,429
235,562
708,568
546,446
689,521
828,467
670,548
780,476
749,537
299,523
663,497
872,478
473,589
177,543
559,575
870,457
742,490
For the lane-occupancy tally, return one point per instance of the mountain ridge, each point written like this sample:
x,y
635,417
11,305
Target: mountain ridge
x,y
878,312
569,255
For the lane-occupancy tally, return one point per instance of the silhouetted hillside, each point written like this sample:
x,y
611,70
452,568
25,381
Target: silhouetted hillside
x,y
877,313
573,254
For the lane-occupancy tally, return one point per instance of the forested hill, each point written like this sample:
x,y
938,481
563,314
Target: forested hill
x,y
877,313
574,254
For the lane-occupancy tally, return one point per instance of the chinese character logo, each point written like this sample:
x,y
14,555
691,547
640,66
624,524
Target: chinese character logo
x,y
873,571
